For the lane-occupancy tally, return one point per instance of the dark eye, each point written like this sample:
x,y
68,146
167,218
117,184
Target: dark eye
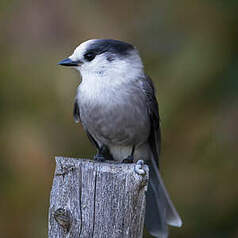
x,y
89,56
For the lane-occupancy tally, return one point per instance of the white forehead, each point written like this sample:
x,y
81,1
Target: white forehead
x,y
81,49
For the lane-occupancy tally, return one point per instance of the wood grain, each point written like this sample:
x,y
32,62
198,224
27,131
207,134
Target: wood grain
x,y
95,199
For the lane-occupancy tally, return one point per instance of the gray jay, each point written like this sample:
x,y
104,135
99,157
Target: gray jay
x,y
116,104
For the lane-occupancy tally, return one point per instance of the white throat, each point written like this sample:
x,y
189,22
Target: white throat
x,y
105,80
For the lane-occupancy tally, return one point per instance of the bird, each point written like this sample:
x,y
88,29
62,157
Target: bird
x,y
117,107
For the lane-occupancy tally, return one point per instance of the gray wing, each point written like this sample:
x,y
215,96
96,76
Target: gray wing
x,y
153,110
76,111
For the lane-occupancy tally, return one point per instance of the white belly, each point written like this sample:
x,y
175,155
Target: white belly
x,y
115,116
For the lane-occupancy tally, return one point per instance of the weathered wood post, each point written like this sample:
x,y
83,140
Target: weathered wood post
x,y
93,199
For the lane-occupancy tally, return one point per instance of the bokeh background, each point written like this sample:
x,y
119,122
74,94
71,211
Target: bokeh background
x,y
189,48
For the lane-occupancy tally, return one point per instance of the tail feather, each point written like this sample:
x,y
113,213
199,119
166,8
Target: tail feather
x,y
160,210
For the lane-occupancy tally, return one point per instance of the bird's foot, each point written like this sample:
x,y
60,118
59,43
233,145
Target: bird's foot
x,y
99,157
139,167
128,160
106,153
103,154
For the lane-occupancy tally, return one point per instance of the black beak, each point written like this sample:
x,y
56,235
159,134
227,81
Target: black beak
x,y
69,62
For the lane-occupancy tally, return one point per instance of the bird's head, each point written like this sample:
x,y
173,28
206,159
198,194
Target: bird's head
x,y
105,57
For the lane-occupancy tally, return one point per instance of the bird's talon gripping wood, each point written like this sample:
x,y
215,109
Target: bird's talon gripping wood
x,y
99,158
128,160
139,167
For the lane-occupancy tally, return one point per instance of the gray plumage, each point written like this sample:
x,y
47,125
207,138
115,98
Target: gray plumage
x,y
117,107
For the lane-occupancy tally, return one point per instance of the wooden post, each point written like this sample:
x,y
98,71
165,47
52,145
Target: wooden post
x,y
98,200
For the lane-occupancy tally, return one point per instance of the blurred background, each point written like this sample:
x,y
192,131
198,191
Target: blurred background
x,y
190,50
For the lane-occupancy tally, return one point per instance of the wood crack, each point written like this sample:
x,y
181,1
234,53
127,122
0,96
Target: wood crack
x,y
80,200
94,202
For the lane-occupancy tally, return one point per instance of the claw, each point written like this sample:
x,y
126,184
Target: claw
x,y
128,160
99,158
139,167
103,154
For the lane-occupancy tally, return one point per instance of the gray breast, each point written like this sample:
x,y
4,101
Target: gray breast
x,y
119,117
